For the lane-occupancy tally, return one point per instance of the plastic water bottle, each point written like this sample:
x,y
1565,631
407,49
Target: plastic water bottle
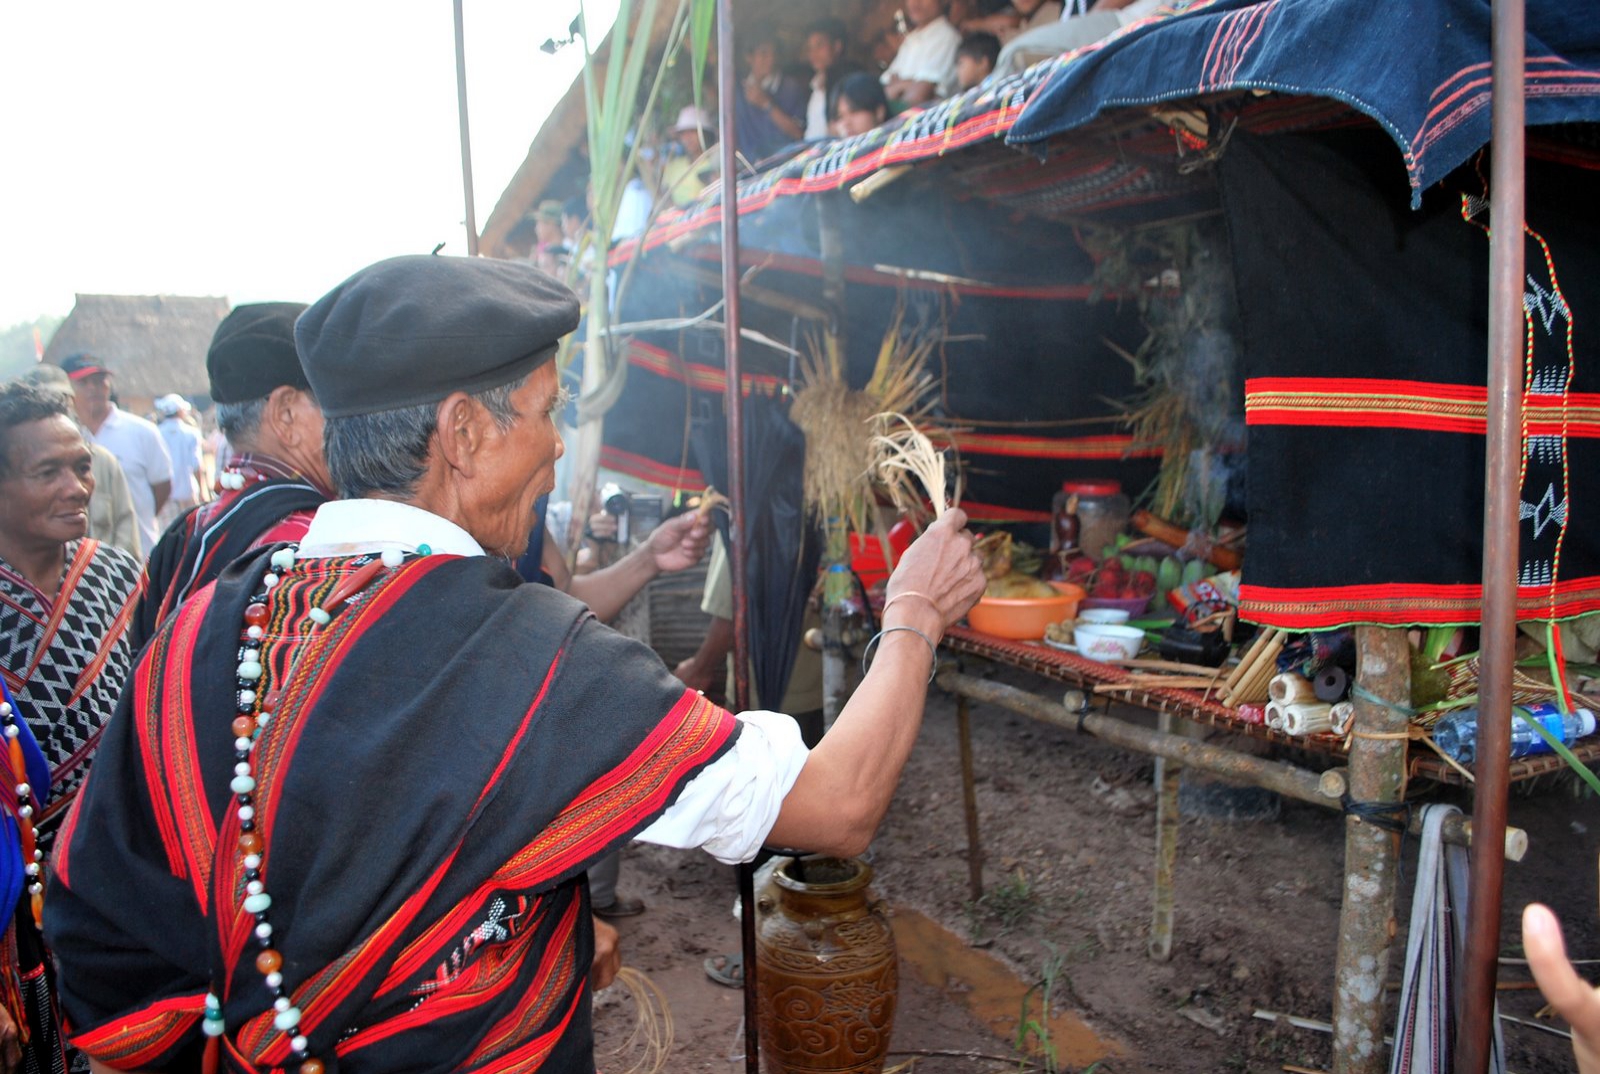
x,y
1456,734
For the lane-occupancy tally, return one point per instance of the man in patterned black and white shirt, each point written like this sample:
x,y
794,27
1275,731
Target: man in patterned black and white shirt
x,y
65,604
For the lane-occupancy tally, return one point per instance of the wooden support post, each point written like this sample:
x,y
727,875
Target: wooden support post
x,y
1168,774
969,798
1371,854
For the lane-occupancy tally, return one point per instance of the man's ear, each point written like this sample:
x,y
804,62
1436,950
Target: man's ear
x,y
461,432
279,414
282,415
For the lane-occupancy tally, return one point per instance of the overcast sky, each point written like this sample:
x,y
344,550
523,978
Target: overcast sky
x,y
258,151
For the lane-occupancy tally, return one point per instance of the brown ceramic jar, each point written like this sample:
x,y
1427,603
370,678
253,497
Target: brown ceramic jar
x,y
827,974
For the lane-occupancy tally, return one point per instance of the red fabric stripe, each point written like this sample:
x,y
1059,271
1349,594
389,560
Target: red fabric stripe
x,y
705,378
1366,386
1462,407
686,736
646,469
1403,604
139,1037
531,1056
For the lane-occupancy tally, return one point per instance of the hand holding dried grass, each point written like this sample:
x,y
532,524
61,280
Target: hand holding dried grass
x,y
908,466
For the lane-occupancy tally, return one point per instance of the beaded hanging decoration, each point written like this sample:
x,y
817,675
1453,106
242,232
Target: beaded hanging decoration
x,y
253,718
235,480
32,856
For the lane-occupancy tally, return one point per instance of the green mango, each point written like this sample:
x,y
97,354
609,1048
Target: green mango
x,y
1193,571
1169,575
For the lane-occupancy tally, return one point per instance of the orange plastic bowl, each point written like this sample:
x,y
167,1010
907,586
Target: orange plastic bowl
x,y
1024,618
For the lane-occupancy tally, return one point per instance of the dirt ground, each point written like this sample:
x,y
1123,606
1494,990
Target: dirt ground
x,y
1068,828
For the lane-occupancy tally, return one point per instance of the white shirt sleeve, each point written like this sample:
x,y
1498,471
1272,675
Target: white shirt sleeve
x,y
157,465
729,808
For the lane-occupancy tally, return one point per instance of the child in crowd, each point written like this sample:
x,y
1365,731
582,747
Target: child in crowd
x,y
975,59
825,44
924,68
859,104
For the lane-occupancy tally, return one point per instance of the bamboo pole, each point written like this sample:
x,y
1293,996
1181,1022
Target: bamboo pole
x,y
1501,503
1371,854
1286,779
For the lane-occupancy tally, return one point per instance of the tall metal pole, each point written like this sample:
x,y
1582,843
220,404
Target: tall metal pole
x,y
727,94
466,137
1500,535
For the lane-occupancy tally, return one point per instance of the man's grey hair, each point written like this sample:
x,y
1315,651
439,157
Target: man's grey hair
x,y
386,453
240,422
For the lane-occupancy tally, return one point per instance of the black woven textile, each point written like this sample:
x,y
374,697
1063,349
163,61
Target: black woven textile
x,y
1365,328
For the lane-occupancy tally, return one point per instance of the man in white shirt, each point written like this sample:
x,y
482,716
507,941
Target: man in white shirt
x,y
135,442
440,751
925,67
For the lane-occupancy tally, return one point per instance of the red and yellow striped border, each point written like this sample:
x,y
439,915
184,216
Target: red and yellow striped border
x,y
1359,402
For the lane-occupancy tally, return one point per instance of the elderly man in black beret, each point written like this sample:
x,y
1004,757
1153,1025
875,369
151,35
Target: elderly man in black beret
x,y
276,476
378,864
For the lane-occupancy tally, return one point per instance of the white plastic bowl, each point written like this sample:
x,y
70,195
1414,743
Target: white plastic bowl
x,y
1108,641
1105,616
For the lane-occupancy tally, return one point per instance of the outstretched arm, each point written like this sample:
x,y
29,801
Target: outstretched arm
x,y
844,789
677,544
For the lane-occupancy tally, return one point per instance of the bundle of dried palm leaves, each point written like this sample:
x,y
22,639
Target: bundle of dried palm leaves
x,y
840,423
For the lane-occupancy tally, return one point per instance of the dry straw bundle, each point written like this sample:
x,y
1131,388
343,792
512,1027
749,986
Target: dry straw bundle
x,y
909,467
840,424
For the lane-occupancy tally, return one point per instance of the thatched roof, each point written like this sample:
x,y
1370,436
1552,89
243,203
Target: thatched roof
x,y
155,344
565,131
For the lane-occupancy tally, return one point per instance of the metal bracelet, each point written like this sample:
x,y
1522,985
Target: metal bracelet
x,y
933,650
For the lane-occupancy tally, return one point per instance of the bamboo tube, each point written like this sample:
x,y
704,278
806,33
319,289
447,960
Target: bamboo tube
x,y
1343,714
1291,689
1302,720
1276,717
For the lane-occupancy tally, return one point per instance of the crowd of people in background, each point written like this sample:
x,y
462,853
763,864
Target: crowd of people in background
x,y
815,87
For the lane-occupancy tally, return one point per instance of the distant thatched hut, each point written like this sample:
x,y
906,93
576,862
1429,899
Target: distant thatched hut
x,y
155,344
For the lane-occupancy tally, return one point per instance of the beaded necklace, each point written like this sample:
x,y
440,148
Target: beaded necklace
x,y
255,716
32,856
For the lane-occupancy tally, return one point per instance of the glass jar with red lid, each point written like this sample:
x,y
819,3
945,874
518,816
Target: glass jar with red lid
x,y
1088,515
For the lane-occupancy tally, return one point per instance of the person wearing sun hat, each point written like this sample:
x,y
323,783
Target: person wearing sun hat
x,y
685,175
182,441
275,477
379,863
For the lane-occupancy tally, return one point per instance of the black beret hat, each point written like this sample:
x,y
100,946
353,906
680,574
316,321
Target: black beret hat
x,y
411,330
252,352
